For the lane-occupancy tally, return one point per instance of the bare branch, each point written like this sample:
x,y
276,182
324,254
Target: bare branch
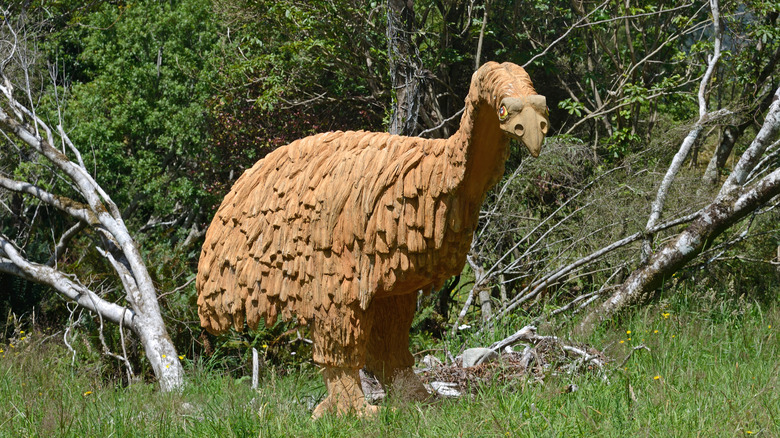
x,y
631,353
63,242
71,325
536,287
712,220
66,140
644,14
75,209
713,60
677,162
444,122
772,153
565,34
481,34
508,253
12,262
756,149
107,351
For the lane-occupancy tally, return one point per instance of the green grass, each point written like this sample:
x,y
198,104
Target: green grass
x,y
717,368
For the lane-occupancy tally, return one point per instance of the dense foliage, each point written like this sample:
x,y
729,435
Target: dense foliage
x,y
171,100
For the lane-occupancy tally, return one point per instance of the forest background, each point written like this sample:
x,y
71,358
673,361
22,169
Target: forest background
x,y
652,107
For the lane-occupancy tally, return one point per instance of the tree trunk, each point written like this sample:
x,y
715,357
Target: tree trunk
x,y
405,71
144,319
160,351
722,152
485,304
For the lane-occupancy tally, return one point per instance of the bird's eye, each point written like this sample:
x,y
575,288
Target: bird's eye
x,y
502,113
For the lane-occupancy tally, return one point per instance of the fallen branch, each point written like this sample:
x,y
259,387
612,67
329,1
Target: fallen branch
x,y
586,357
527,333
537,286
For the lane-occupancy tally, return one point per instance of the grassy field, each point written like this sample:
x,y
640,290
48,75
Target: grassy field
x,y
712,370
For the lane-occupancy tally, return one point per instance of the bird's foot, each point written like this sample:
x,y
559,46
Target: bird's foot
x,y
345,394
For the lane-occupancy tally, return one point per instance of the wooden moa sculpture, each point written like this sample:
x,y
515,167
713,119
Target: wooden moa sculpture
x,y
342,229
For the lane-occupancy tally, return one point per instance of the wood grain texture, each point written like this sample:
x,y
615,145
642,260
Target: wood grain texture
x,y
322,227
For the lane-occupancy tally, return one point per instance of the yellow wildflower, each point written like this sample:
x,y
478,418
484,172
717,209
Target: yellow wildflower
x,y
665,315
164,356
265,345
87,393
21,332
628,332
655,331
167,365
621,341
629,339
181,357
2,351
656,377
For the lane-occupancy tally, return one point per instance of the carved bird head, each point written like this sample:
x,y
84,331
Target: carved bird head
x,y
525,118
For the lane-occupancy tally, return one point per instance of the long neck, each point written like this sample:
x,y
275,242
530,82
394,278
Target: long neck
x,y
481,144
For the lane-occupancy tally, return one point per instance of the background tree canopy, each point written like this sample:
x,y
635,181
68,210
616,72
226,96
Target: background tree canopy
x,y
174,99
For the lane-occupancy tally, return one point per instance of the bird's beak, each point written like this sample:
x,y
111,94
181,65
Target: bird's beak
x,y
527,121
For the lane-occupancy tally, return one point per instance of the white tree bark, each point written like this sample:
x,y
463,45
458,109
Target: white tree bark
x,y
714,219
12,262
755,151
685,148
482,288
99,212
537,286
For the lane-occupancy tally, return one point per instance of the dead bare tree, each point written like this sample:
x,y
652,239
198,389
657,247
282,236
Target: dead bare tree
x,y
28,136
738,197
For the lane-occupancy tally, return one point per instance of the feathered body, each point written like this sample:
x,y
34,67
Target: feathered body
x,y
321,228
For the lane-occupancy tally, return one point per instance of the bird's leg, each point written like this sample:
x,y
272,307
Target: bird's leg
x,y
340,333
345,394
388,356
